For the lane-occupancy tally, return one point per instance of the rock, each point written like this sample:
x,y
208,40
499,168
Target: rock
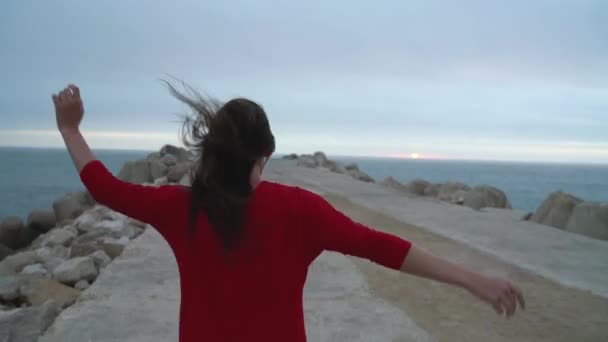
x,y
73,270
335,167
154,156
362,176
9,287
70,206
351,166
157,169
556,209
320,158
392,183
186,180
82,285
137,172
177,172
432,190
417,187
161,181
41,220
15,263
527,216
590,219
37,291
453,192
27,324
35,270
292,156
179,153
5,251
59,236
168,160
114,247
486,196
81,249
307,161
11,230
52,257
100,258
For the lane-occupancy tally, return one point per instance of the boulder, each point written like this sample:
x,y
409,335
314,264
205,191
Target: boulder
x,y
35,270
15,263
168,160
154,156
179,153
41,220
307,161
9,287
486,196
320,158
186,180
70,206
81,249
590,219
360,175
82,285
59,236
556,209
417,187
36,291
335,167
177,172
453,192
27,324
292,156
114,247
392,183
432,190
100,258
157,169
53,256
137,172
11,230
5,251
161,181
351,166
73,270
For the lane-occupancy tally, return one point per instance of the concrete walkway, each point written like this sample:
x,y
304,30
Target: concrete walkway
x,y
566,258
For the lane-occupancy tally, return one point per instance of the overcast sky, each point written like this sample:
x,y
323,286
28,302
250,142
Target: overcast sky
x,y
505,80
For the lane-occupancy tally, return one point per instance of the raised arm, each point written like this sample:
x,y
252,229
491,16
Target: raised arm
x,y
147,204
329,229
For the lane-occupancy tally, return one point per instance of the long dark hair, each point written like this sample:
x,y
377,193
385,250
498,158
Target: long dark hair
x,y
228,139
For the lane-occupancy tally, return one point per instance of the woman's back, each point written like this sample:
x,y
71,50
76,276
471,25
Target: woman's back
x,y
253,290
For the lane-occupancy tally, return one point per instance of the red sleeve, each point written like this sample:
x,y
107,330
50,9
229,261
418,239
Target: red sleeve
x,y
145,203
325,228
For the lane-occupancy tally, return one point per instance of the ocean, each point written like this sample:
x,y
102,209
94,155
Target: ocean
x,y
34,178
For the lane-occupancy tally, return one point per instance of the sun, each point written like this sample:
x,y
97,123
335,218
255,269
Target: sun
x,y
415,155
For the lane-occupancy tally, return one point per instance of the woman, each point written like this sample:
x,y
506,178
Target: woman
x,y
243,245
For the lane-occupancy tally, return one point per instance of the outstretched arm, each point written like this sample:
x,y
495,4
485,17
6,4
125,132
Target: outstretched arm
x,y
329,229
69,111
499,293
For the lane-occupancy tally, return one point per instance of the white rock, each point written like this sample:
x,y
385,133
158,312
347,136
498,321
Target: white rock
x,y
59,237
100,258
590,219
556,209
73,270
35,269
82,285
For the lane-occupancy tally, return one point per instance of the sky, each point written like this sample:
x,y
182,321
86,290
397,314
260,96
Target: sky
x,y
491,80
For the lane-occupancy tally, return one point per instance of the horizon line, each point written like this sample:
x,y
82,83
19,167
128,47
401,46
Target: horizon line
x,y
385,157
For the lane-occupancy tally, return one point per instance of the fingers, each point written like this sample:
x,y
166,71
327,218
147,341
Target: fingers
x,y
498,308
508,302
55,99
74,90
519,295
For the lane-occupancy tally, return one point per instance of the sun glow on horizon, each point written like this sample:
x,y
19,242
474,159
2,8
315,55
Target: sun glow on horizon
x,y
415,155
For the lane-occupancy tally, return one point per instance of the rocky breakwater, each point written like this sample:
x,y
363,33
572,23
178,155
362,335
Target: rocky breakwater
x,y
568,212
320,160
46,262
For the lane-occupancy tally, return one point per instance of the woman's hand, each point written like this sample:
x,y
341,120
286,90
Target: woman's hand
x,y
69,109
499,293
